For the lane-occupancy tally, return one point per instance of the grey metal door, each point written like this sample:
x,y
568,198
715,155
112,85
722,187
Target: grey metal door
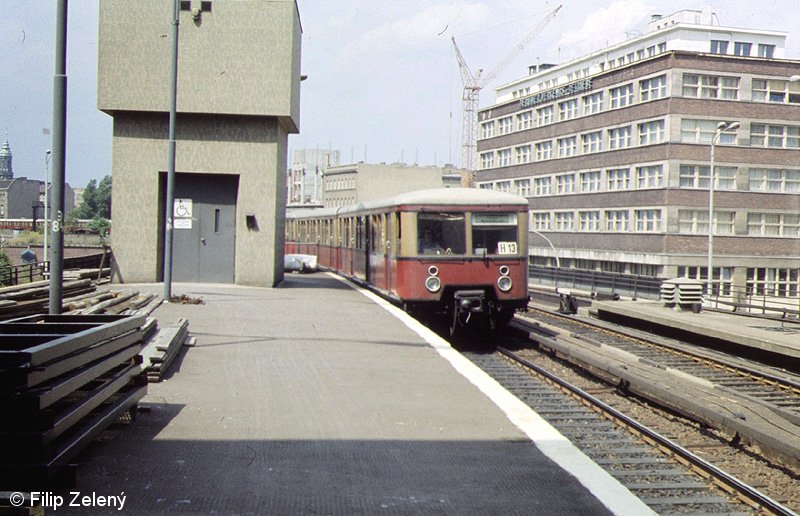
x,y
204,237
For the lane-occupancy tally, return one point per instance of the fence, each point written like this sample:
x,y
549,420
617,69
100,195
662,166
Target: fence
x,y
28,272
729,298
608,283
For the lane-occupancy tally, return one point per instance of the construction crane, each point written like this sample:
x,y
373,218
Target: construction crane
x,y
473,83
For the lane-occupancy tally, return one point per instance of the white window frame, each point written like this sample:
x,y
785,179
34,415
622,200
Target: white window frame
x,y
620,137
590,181
617,220
522,154
565,184
589,220
621,96
618,179
593,103
652,132
544,150
542,186
592,142
653,88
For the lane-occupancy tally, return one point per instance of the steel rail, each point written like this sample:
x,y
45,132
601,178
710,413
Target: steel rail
x,y
719,362
749,494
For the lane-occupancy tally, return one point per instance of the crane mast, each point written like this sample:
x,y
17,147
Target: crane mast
x,y
473,83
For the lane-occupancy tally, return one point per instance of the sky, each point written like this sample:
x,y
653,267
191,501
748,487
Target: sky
x,y
383,81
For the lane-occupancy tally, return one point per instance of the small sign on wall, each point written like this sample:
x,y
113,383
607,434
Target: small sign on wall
x,y
182,214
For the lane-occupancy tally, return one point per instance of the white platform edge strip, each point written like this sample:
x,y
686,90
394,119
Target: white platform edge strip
x,y
608,490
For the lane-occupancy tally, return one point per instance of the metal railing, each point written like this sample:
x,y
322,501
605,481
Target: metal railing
x,y
600,282
745,300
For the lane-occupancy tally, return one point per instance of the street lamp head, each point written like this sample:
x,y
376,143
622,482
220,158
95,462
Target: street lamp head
x,y
727,126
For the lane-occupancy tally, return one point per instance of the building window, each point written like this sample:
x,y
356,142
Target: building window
x,y
522,187
592,142
616,220
523,153
649,177
564,221
693,221
568,109
653,88
487,129
540,221
767,51
619,137
487,160
776,136
544,116
590,181
648,221
776,91
593,103
544,150
702,131
504,157
694,176
710,86
542,186
567,146
651,132
503,186
741,48
565,184
505,125
621,96
618,178
774,180
719,46
763,281
524,120
589,220
773,224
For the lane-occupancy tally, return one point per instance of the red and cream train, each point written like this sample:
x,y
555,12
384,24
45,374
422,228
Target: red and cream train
x,y
454,252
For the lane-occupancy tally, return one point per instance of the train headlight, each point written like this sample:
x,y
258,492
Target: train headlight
x,y
433,270
504,270
433,283
504,283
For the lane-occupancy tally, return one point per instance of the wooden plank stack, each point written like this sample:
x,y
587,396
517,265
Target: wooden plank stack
x,y
160,351
63,379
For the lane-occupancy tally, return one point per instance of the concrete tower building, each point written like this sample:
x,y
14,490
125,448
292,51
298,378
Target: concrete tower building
x,y
238,100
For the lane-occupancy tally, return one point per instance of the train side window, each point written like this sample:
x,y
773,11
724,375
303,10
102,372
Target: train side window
x,y
441,233
495,233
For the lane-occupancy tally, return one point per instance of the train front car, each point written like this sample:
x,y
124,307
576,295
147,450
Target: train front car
x,y
464,255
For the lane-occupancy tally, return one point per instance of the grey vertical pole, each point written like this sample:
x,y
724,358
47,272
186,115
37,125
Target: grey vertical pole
x,y
173,107
59,146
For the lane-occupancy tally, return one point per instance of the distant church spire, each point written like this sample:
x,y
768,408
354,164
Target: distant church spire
x,y
6,169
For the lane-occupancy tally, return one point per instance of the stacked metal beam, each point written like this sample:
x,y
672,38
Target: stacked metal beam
x,y
63,379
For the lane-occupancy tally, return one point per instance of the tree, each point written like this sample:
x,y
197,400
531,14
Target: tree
x,y
96,200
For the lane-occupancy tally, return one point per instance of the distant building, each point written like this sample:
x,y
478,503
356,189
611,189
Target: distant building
x,y
613,151
19,196
6,166
358,182
304,179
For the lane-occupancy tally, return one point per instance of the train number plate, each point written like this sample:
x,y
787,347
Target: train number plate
x,y
507,248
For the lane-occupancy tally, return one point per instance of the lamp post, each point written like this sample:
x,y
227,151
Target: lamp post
x,y
721,128
46,180
555,252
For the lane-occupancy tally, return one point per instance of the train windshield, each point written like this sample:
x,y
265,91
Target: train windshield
x,y
494,233
441,233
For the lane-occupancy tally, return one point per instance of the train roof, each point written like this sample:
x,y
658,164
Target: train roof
x,y
433,196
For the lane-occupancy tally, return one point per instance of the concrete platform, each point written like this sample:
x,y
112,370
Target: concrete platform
x,y
772,335
317,398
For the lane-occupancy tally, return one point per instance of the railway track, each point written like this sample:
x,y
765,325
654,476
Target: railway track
x,y
668,478
771,385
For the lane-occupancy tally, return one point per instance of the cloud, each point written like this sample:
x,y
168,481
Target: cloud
x,y
604,26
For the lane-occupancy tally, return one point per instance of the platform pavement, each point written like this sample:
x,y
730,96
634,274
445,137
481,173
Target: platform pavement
x,y
317,398
774,335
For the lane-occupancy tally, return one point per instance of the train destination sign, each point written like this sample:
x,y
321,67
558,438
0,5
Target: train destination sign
x,y
556,93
